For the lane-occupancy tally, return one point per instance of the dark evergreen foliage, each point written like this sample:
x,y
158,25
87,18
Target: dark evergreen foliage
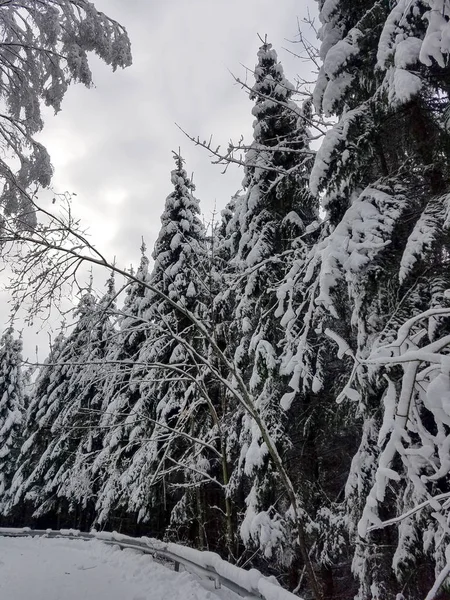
x,y
277,388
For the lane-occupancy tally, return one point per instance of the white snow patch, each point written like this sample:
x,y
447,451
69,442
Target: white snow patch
x,y
52,569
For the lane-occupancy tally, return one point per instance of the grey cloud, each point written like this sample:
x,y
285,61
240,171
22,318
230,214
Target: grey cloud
x,y
112,144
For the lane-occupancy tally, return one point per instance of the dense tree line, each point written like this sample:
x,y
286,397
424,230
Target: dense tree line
x,y
277,386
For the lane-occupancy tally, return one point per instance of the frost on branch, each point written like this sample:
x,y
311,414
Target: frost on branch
x,y
44,48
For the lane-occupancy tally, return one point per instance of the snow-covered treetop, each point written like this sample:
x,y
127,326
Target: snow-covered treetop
x,y
271,87
178,245
276,114
135,299
277,165
11,351
107,301
44,48
86,305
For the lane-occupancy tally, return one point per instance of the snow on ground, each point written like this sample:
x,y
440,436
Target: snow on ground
x,y
61,569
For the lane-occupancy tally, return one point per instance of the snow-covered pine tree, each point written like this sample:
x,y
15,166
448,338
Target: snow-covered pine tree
x,y
63,417
274,210
276,202
11,411
220,301
121,401
163,474
45,403
383,171
314,377
50,468
80,423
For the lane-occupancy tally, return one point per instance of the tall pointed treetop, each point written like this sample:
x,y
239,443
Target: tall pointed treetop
x,y
276,114
178,240
277,165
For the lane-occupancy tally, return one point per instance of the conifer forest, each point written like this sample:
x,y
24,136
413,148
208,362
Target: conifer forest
x,y
273,386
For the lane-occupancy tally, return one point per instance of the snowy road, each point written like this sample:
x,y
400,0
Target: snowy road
x,y
59,569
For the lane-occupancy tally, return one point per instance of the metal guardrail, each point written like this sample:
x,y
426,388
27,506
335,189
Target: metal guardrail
x,y
251,584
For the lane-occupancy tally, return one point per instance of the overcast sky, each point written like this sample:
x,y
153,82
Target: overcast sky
x,y
112,144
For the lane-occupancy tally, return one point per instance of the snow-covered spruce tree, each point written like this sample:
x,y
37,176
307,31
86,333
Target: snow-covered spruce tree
x,y
221,526
80,421
11,411
163,474
44,48
383,171
322,438
121,401
47,393
273,211
63,419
